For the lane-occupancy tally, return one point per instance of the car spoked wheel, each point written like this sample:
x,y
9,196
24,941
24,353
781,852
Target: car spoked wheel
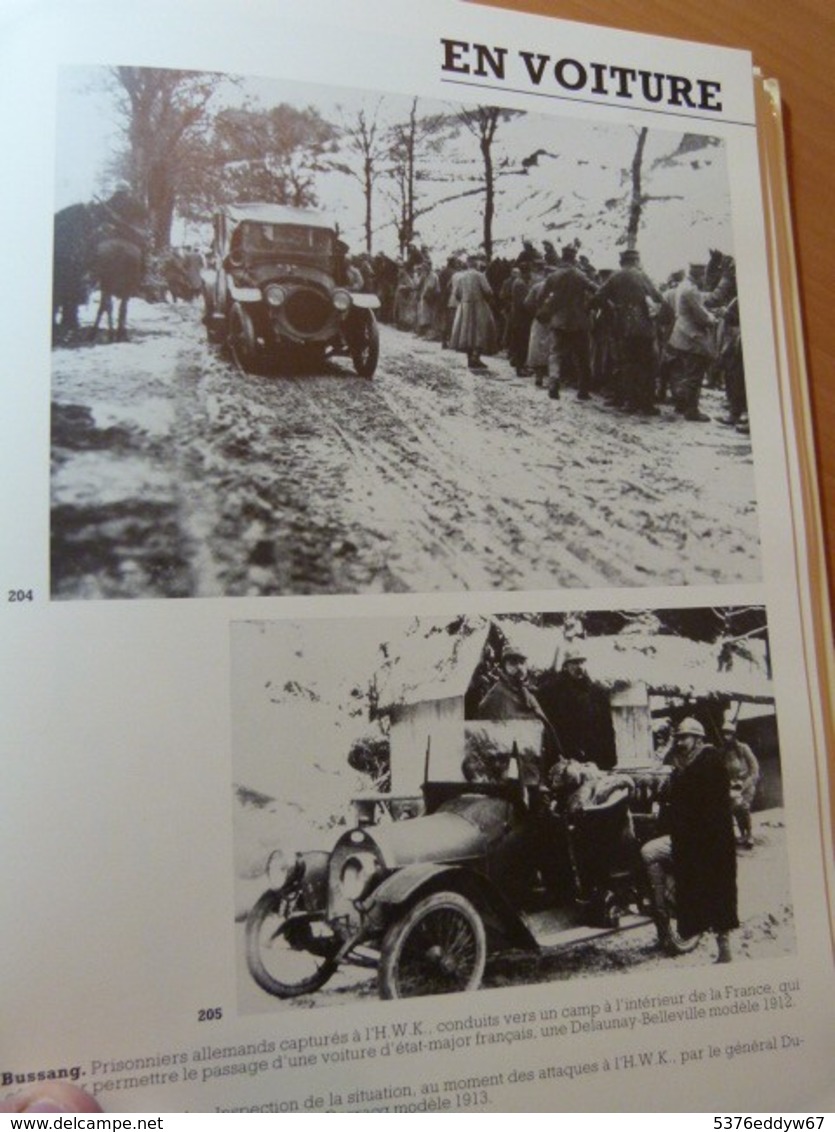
x,y
288,955
438,947
365,346
241,339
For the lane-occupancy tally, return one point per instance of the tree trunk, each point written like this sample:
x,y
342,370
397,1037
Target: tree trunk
x,y
637,200
369,189
489,198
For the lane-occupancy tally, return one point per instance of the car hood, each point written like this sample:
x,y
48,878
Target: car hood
x,y
459,832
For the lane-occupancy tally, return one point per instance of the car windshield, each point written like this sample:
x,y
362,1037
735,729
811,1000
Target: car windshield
x,y
286,239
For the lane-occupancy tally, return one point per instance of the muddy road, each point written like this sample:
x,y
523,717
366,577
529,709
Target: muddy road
x,y
174,475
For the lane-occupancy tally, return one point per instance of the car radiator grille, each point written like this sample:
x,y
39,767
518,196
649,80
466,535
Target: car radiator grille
x,y
307,312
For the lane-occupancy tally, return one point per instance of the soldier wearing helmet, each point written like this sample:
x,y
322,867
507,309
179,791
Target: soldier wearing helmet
x,y
509,697
698,849
744,773
579,711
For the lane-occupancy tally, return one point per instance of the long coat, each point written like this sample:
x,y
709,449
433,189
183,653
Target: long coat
x,y
580,713
693,328
539,340
474,329
628,290
566,295
704,854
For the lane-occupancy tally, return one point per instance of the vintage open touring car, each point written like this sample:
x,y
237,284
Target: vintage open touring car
x,y
488,867
278,291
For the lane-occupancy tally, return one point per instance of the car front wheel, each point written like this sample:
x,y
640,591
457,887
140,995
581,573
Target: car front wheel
x,y
438,947
288,955
241,339
365,344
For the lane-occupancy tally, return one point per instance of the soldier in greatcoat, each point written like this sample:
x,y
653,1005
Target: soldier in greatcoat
x,y
691,345
627,293
699,846
565,303
474,329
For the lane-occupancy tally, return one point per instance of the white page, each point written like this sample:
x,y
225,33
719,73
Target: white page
x,y
349,556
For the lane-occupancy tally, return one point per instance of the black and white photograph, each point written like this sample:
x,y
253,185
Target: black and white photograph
x,y
431,805
316,340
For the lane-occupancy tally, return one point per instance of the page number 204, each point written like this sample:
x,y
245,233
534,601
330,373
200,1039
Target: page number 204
x,y
21,595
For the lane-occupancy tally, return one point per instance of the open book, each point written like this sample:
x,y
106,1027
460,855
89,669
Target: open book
x,y
416,666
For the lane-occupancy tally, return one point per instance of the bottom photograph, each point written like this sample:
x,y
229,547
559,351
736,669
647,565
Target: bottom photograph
x,y
428,805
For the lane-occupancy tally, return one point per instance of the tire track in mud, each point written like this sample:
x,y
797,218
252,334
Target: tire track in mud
x,y
419,509
424,478
601,527
275,525
279,447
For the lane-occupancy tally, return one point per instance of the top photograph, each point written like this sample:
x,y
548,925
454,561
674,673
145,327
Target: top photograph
x,y
317,340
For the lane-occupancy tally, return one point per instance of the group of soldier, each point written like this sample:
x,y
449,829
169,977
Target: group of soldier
x,y
709,789
611,333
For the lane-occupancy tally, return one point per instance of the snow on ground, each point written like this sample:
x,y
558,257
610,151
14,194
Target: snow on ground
x,y
173,474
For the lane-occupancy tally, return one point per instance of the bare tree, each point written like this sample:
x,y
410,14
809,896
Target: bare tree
x,y
366,146
411,141
483,123
637,199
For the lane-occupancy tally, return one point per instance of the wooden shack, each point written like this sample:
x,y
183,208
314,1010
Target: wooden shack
x,y
650,676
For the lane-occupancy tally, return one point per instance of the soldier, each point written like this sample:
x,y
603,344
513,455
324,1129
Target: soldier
x,y
519,320
579,712
509,697
474,329
565,304
744,773
629,291
699,848
690,345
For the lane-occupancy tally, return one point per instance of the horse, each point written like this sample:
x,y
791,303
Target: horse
x,y
118,268
80,233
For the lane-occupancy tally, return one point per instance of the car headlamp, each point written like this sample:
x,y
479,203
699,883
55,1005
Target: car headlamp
x,y
341,301
278,868
275,295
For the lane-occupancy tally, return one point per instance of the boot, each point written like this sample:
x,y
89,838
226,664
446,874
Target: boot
x,y
723,943
662,926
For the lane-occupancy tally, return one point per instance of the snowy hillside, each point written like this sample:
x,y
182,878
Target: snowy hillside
x,y
561,179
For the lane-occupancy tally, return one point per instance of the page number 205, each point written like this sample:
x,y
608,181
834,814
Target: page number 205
x,y
21,595
210,1014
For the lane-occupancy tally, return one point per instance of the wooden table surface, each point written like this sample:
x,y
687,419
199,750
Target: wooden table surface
x,y
794,43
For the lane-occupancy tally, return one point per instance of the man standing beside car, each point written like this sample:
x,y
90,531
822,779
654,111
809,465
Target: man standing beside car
x,y
698,848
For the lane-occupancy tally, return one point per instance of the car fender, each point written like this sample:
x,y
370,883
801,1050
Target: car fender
x,y
244,294
408,884
312,878
362,300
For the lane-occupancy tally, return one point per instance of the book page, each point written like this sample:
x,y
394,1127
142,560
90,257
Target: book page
x,y
412,693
